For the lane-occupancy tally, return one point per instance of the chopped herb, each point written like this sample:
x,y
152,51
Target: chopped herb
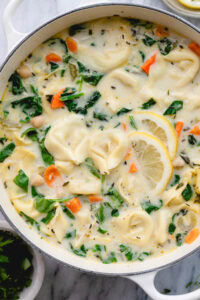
x,y
142,55
179,239
149,207
176,180
6,151
31,133
110,259
127,251
171,228
3,140
132,122
30,220
187,192
191,139
35,193
17,85
174,107
62,72
53,66
100,214
68,213
148,104
49,217
101,230
91,167
148,41
71,235
80,252
142,255
116,197
123,111
22,180
93,44
74,29
165,46
100,116
99,248
115,212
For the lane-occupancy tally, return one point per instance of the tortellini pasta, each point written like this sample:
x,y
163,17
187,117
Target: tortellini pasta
x,y
58,224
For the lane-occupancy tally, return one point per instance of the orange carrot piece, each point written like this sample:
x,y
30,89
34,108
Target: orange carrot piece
x,y
195,48
148,63
50,174
55,102
195,130
94,198
74,205
72,44
179,127
192,236
133,168
53,57
161,32
128,155
124,126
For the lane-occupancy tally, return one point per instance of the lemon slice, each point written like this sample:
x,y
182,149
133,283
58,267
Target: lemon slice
x,y
153,160
160,127
195,4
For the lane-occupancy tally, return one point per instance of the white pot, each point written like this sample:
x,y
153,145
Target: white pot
x,y
141,272
30,292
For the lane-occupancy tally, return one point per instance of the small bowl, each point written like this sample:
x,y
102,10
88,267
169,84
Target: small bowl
x,y
181,9
30,292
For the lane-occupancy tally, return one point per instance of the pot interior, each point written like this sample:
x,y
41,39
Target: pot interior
x,y
12,62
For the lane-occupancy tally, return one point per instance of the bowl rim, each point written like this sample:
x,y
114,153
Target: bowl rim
x,y
80,268
38,264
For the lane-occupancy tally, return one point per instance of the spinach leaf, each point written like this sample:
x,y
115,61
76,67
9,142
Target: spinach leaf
x,y
171,228
31,133
68,213
100,214
149,207
22,180
82,68
165,46
92,78
132,122
4,259
70,94
127,251
187,192
71,235
101,230
74,29
62,73
176,180
17,85
99,248
80,252
44,205
49,217
142,255
110,259
180,237
53,66
141,23
35,193
91,167
115,212
6,151
3,140
148,104
30,105
148,41
191,139
174,107
30,220
100,116
115,196
123,111
46,156
142,55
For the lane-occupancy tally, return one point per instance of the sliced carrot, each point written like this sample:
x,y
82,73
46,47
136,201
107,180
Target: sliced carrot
x,y
55,102
94,198
195,48
148,63
124,126
192,236
53,57
72,44
161,32
74,205
195,130
179,127
133,168
128,155
50,174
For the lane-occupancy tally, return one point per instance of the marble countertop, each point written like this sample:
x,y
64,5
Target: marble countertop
x,y
64,283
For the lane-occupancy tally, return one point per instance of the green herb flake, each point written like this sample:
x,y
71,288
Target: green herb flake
x,y
132,122
101,230
116,197
30,220
142,55
165,46
174,107
100,116
187,192
100,214
148,41
176,180
91,167
80,252
49,217
148,104
62,72
53,66
71,235
180,237
123,111
110,259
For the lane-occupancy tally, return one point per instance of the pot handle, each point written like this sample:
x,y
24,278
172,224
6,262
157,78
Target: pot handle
x,y
146,282
12,35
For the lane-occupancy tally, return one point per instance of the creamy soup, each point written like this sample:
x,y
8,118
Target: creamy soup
x,y
100,140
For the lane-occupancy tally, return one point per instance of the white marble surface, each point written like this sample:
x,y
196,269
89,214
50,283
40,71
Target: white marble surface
x,y
63,283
